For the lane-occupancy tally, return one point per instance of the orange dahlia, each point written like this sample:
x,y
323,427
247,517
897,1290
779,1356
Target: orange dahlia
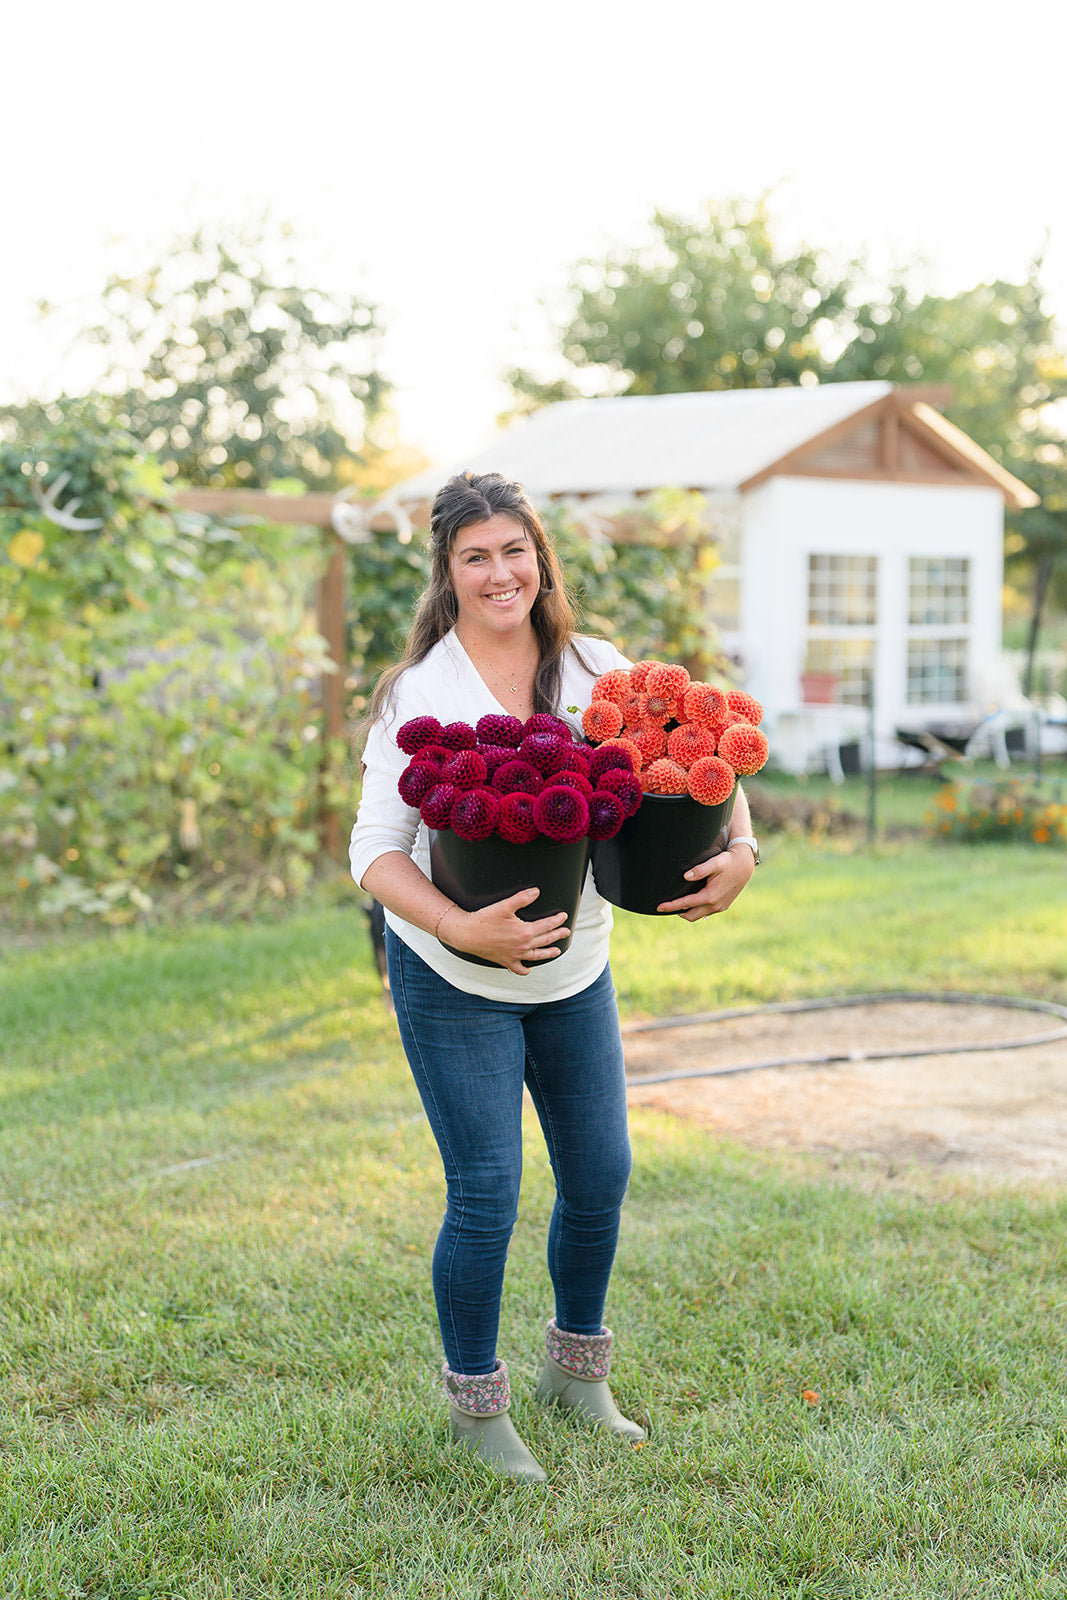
x,y
640,671
669,681
688,743
649,741
704,704
745,706
601,720
744,747
711,780
665,777
613,685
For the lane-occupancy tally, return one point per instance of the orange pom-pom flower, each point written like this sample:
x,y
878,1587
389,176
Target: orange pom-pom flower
x,y
640,671
669,682
711,780
745,706
704,704
744,747
614,685
666,777
601,720
650,742
688,743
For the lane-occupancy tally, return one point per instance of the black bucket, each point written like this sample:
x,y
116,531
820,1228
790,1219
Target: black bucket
x,y
478,873
646,862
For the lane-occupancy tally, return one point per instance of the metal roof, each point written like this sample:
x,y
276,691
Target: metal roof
x,y
710,440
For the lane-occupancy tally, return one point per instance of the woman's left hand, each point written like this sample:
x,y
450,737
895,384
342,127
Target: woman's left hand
x,y
725,874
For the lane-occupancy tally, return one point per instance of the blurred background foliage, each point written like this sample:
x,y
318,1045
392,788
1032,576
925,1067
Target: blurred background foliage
x,y
160,673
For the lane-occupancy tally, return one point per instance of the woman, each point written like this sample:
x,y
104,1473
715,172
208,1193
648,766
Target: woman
x,y
494,632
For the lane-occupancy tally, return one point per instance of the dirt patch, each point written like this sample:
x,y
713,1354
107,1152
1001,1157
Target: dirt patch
x,y
995,1112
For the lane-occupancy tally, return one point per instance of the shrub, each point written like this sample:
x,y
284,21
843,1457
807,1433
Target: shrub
x,y
1023,809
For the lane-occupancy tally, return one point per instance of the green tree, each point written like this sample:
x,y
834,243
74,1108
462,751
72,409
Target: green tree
x,y
710,303
231,370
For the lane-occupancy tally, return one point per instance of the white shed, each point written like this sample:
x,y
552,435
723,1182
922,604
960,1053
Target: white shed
x,y
860,535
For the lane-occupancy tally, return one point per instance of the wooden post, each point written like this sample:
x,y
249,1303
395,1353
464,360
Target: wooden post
x,y
332,608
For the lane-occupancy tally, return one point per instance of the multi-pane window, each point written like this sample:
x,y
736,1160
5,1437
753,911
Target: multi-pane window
x,y
939,591
842,618
939,615
937,671
842,591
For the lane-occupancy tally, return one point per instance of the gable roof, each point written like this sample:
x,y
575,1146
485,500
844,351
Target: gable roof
x,y
725,440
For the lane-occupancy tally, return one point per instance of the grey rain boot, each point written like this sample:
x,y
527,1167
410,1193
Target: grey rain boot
x,y
575,1378
478,1407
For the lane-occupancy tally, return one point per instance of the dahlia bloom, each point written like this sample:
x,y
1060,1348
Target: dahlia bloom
x,y
606,815
416,782
601,720
517,776
561,813
458,736
474,814
466,769
665,776
418,732
514,819
436,808
744,747
745,706
688,743
711,780
495,728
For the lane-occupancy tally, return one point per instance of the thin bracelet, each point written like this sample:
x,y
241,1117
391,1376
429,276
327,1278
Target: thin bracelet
x,y
441,918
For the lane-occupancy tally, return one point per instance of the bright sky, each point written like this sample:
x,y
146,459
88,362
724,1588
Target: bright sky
x,y
451,162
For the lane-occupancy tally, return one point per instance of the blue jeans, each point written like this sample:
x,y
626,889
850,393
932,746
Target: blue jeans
x,y
470,1058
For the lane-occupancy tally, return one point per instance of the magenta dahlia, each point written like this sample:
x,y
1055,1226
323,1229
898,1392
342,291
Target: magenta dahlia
x,y
573,780
474,814
607,758
606,815
458,736
514,818
416,733
514,776
625,786
545,722
544,750
495,728
416,781
466,769
436,808
561,813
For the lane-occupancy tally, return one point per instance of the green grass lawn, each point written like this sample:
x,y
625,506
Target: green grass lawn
x,y
217,1201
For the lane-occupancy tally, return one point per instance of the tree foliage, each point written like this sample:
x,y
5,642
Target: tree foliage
x,y
710,303
231,370
160,709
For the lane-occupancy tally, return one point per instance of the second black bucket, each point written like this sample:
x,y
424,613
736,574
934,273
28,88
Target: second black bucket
x,y
478,873
646,862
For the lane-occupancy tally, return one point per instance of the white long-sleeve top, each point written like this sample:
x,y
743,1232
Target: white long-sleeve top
x,y
446,685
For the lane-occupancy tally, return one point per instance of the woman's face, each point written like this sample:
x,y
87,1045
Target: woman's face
x,y
495,575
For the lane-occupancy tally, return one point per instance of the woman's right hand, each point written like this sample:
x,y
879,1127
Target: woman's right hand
x,y
498,933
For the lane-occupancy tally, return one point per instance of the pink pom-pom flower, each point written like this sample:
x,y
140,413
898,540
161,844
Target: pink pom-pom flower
x,y
626,787
545,722
517,777
544,750
711,780
744,747
416,733
474,814
561,813
458,736
466,769
436,808
573,780
496,728
606,815
514,819
416,781
609,758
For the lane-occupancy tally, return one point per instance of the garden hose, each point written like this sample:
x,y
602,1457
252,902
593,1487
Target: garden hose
x,y
898,996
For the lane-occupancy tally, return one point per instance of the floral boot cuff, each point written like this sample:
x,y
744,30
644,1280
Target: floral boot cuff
x,y
583,1355
479,1394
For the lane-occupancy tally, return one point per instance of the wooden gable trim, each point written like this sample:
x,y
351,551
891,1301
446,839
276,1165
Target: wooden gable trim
x,y
901,411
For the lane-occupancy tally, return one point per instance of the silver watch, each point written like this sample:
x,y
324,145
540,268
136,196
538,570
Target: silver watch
x,y
745,838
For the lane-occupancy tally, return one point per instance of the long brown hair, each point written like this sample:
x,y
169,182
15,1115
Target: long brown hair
x,y
465,499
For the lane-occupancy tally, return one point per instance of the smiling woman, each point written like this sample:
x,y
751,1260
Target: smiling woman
x,y
494,634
